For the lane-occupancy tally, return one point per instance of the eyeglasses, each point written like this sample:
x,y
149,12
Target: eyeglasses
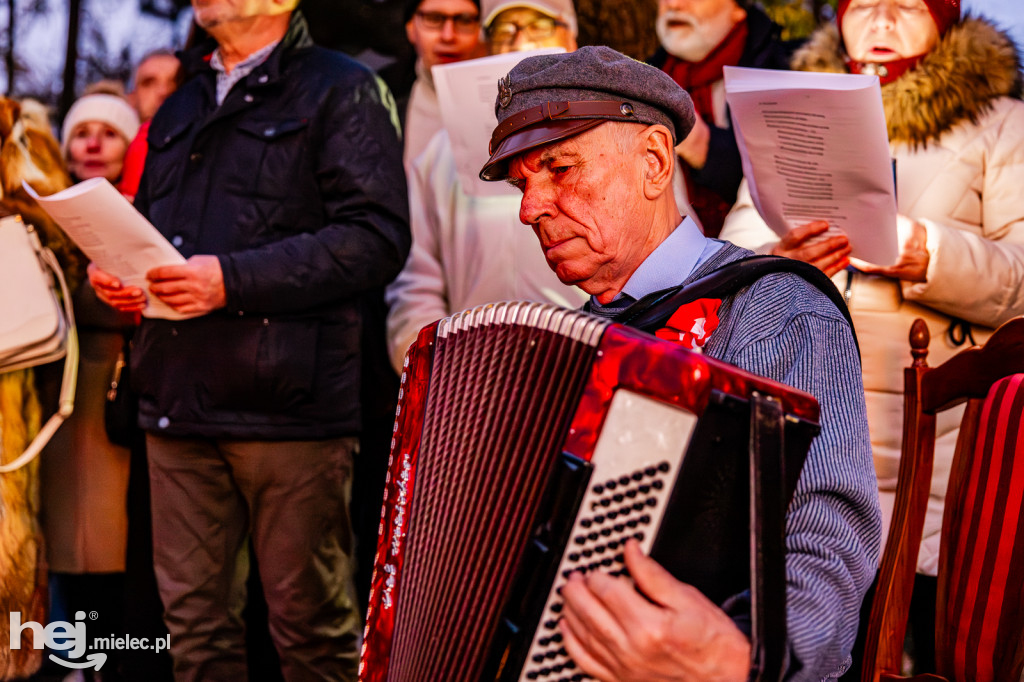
x,y
505,32
464,23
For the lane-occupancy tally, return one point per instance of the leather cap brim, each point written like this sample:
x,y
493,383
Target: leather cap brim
x,y
535,136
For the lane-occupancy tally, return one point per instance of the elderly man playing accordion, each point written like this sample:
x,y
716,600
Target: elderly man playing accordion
x,y
595,168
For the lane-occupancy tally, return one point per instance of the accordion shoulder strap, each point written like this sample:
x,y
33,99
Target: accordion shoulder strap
x,y
652,311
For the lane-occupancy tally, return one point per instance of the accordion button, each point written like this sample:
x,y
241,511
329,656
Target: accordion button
x,y
574,557
611,485
588,553
631,493
605,532
624,480
637,475
532,675
618,497
599,518
645,519
663,467
599,549
606,562
598,489
579,539
539,658
621,558
650,471
550,624
557,639
586,523
593,536
557,608
645,489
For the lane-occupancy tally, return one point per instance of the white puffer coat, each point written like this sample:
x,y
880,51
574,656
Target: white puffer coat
x,y
956,130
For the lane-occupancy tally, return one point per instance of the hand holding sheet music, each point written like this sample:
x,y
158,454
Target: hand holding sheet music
x,y
115,236
814,146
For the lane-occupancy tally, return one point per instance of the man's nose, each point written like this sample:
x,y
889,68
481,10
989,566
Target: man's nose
x,y
448,29
674,5
537,203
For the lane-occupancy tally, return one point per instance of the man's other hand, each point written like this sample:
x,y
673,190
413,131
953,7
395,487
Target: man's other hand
x,y
614,633
110,290
830,255
195,288
694,147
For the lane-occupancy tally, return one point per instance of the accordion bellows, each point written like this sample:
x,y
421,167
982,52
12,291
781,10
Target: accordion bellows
x,y
531,441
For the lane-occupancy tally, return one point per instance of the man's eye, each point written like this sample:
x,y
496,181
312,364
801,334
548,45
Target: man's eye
x,y
518,183
560,170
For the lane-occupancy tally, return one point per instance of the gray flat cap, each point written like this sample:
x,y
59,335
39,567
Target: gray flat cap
x,y
552,97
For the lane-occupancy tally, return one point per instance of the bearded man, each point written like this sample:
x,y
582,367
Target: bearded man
x,y
699,38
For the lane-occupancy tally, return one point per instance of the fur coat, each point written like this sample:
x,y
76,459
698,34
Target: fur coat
x,y
956,131
27,150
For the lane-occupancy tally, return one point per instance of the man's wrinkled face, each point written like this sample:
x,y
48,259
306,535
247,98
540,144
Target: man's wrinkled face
x,y
213,13
691,29
879,31
445,31
583,198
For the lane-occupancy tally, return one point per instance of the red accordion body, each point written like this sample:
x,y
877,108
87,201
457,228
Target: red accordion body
x,y
531,441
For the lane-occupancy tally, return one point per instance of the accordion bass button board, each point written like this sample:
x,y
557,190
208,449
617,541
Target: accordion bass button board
x,y
533,441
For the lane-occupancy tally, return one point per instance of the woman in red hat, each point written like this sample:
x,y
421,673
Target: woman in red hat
x,y
951,92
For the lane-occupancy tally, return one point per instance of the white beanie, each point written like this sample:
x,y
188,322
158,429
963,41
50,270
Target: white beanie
x,y
115,111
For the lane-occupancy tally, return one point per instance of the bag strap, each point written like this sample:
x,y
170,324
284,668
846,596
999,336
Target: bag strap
x,y
69,379
652,311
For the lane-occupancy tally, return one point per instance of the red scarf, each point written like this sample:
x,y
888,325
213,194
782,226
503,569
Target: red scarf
x,y
698,79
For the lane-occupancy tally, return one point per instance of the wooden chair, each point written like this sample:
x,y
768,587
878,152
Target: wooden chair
x,y
980,606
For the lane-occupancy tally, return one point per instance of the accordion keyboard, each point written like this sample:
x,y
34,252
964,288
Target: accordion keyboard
x,y
625,500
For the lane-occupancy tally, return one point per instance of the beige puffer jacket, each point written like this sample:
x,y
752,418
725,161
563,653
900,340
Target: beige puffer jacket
x,y
956,130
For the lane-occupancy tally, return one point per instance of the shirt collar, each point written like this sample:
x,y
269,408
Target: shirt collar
x,y
244,67
671,262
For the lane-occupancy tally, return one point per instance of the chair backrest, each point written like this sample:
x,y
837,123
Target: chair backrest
x,y
980,603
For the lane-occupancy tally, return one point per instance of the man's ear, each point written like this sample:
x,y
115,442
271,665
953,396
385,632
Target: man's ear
x,y
659,154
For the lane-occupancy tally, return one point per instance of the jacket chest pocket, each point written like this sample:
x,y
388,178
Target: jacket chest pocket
x,y
275,154
167,152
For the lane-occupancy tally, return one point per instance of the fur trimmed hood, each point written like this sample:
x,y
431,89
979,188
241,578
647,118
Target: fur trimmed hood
x,y
972,65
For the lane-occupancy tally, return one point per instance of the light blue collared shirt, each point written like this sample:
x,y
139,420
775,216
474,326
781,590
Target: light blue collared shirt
x,y
226,80
670,263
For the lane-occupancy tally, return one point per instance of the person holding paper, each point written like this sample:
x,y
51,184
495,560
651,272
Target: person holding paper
x,y
950,90
699,38
275,169
85,516
469,249
441,32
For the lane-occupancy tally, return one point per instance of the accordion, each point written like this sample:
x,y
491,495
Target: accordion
x,y
531,441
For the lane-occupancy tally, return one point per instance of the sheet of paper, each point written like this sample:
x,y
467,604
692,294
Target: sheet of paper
x,y
108,229
466,91
815,147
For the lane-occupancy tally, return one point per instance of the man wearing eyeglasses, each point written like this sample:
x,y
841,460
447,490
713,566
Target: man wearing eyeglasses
x,y
468,249
442,32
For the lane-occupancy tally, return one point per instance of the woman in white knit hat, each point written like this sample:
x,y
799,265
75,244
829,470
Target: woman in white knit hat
x,y
84,476
96,134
